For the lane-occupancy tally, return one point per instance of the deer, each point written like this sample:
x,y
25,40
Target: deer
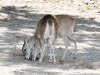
x,y
31,47
66,26
46,33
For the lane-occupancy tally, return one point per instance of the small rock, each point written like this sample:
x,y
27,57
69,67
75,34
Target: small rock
x,y
92,26
25,6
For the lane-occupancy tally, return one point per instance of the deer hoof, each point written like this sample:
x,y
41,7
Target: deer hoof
x,y
75,57
39,62
61,61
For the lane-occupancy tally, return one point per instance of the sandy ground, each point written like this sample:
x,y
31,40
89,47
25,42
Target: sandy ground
x,y
20,19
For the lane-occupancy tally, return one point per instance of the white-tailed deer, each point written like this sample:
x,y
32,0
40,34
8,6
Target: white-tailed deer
x,y
46,32
31,47
63,24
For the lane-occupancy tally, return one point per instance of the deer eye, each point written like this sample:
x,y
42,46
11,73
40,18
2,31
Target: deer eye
x,y
24,49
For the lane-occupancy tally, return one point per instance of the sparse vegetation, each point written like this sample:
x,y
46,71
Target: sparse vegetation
x,y
81,9
84,8
88,7
72,1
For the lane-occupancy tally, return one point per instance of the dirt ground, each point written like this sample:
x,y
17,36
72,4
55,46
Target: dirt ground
x,y
19,19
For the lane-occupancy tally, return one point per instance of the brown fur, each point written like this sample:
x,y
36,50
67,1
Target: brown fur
x,y
67,25
42,25
64,24
40,31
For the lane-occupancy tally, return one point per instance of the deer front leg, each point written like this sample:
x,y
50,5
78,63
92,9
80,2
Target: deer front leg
x,y
34,55
42,54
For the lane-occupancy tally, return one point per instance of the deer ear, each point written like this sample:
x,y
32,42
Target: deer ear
x,y
26,39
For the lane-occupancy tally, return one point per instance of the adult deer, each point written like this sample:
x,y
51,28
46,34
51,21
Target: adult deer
x,y
46,31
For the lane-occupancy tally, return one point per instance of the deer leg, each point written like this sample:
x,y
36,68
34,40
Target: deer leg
x,y
50,60
35,54
75,44
42,55
53,48
66,46
74,40
43,51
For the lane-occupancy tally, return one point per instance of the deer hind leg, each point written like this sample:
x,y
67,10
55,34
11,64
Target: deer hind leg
x,y
74,40
66,46
71,38
40,50
50,59
52,48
